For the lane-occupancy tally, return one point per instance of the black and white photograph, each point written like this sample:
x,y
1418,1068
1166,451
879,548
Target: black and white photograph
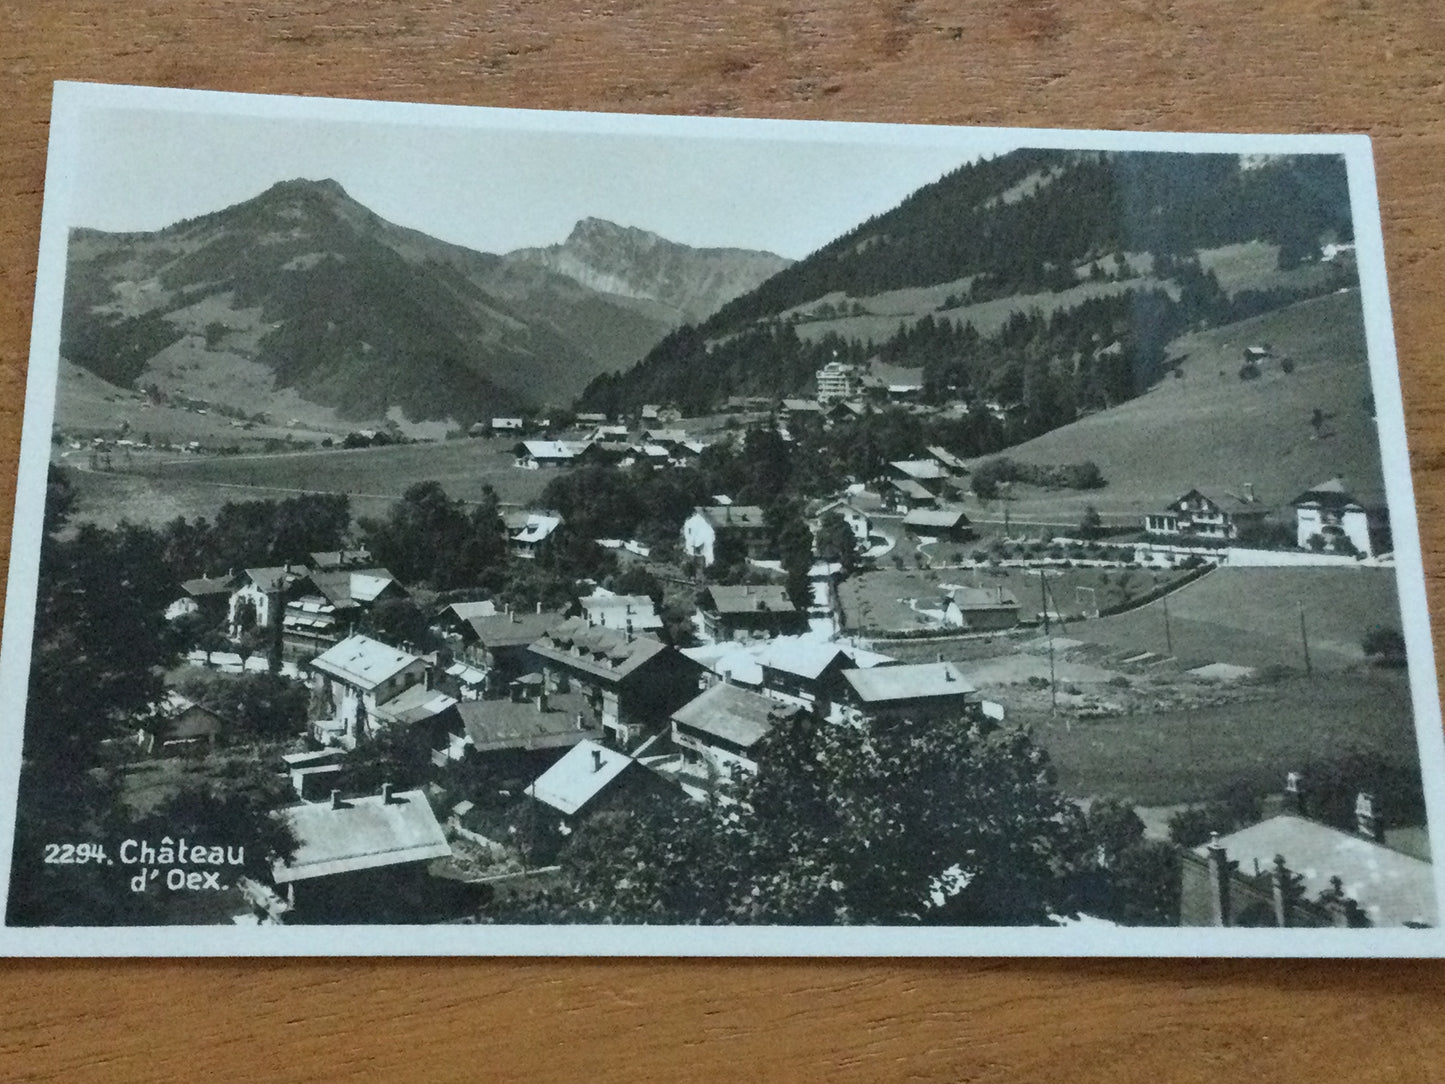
x,y
441,529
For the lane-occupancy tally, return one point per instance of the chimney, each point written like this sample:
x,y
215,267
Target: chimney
x,y
1367,818
1249,492
1218,882
1293,794
336,799
539,605
597,760
386,794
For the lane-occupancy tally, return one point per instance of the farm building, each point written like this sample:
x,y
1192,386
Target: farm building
x,y
947,460
980,609
1331,519
1196,516
749,610
181,725
950,524
926,690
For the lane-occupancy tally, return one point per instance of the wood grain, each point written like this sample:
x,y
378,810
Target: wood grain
x,y
1248,65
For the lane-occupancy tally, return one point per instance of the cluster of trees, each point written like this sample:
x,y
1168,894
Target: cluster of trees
x,y
100,645
251,534
993,473
942,822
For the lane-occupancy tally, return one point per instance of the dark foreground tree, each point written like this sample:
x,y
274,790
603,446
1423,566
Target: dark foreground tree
x,y
939,822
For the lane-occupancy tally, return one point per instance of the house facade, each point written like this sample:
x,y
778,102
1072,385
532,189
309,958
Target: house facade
x,y
750,610
1331,519
743,523
1197,516
260,595
723,729
916,691
351,685
981,609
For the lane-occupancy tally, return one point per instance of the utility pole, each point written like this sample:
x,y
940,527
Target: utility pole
x,y
1304,637
1168,639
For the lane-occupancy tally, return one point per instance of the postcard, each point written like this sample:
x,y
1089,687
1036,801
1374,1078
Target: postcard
x,y
449,530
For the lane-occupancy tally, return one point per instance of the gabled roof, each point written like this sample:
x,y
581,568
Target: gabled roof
x,y
554,449
580,776
358,587
518,724
1329,494
911,488
202,586
946,458
605,653
512,629
984,598
1392,888
805,658
948,518
621,612
465,610
735,715
414,705
907,681
338,558
749,598
531,526
361,661
365,833
733,516
275,578
920,470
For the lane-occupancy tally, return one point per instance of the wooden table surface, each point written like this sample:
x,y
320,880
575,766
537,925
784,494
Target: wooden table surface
x,y
1247,65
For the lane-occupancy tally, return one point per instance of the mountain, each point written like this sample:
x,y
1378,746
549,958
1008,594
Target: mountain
x,y
1012,248
692,283
303,300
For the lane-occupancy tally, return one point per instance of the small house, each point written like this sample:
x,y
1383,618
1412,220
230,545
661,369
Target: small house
x,y
1331,520
947,524
981,609
741,524
916,691
750,610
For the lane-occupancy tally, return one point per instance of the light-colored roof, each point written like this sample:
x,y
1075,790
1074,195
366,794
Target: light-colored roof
x,y
1392,888
583,773
555,449
737,716
911,487
805,658
536,528
622,611
276,577
214,585
1329,494
414,704
936,517
366,833
512,629
465,610
946,458
737,516
361,661
908,681
922,470
750,598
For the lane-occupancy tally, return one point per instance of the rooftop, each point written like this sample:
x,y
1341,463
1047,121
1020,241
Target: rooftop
x,y
274,578
466,610
582,774
936,517
364,833
908,681
922,470
1329,494
520,724
208,585
1392,888
414,704
911,487
737,716
751,598
984,598
733,515
806,658
512,629
361,661
601,652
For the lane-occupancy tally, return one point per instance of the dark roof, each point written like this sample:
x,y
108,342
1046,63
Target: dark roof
x,y
948,518
1329,494
513,629
193,722
733,516
518,724
735,715
214,585
748,598
610,654
984,598
276,577
339,558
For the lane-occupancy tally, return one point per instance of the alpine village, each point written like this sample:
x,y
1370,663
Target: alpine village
x,y
1020,557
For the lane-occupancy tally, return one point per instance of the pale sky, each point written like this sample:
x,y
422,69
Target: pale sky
x,y
497,188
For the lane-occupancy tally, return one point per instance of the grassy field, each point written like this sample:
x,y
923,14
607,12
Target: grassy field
x,y
1250,617
157,490
1161,759
1211,430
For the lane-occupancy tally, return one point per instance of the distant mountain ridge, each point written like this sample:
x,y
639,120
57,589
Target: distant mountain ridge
x,y
304,289
629,262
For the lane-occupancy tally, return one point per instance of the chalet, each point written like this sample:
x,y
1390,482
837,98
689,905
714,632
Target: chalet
x,y
507,425
805,673
207,597
1236,880
259,596
742,524
1329,518
800,408
630,613
981,609
917,691
750,610
928,473
668,438
527,531
632,683
586,419
724,728
535,454
857,521
589,779
843,411
654,455
611,434
530,720
501,645
181,726
1196,516
360,859
352,682
904,495
454,619
948,524
326,605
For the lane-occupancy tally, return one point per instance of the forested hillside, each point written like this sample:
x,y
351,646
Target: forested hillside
x,y
1028,224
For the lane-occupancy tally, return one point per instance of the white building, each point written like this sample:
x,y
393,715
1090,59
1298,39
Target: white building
x,y
1330,514
353,683
836,381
